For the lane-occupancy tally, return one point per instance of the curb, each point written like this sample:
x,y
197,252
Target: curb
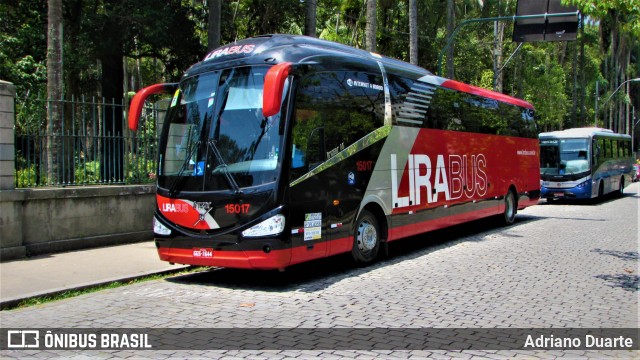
x,y
11,303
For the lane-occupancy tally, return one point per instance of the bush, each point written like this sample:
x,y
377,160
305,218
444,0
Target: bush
x,y
26,177
88,173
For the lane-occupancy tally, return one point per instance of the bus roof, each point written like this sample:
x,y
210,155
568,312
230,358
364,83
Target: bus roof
x,y
299,49
585,132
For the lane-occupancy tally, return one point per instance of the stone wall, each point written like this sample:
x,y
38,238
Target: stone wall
x,y
47,220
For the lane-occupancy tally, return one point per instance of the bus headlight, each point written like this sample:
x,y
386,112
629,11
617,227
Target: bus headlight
x,y
160,229
583,184
272,226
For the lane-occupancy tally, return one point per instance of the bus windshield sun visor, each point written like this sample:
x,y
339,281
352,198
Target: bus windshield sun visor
x,y
273,86
137,103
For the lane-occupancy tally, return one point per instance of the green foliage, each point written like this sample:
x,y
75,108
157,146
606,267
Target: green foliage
x,y
87,173
26,177
140,170
545,85
601,9
161,39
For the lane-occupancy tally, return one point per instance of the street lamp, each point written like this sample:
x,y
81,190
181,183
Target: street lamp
x,y
610,96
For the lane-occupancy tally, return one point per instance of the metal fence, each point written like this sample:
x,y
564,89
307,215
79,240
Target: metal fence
x,y
92,146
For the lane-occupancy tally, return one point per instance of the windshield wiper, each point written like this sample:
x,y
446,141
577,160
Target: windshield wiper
x,y
223,166
174,185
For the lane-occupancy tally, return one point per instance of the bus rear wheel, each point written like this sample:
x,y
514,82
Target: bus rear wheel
x,y
366,239
510,208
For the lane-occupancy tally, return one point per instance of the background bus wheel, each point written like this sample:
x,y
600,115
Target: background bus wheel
x,y
601,189
366,242
621,189
510,208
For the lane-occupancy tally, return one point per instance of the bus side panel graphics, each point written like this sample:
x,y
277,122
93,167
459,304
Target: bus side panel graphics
x,y
192,214
441,170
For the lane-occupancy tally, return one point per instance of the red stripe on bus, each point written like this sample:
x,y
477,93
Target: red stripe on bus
x,y
401,232
456,85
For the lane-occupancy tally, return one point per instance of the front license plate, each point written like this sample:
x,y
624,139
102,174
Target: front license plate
x,y
558,194
202,252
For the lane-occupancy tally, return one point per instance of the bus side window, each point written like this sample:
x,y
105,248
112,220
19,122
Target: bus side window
x,y
315,148
307,141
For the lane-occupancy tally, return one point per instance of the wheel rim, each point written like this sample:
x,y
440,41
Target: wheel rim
x,y
367,236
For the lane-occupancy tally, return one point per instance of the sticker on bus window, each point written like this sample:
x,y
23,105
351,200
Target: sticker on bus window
x,y
312,226
174,101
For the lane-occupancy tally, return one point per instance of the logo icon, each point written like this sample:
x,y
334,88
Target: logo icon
x,y
23,339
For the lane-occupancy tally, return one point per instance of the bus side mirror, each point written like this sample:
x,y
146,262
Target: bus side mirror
x,y
137,103
272,89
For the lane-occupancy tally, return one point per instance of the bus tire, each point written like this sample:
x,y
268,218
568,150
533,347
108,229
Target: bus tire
x,y
510,208
601,189
366,238
621,187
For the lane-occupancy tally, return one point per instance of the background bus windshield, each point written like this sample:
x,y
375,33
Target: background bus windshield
x,y
564,156
217,136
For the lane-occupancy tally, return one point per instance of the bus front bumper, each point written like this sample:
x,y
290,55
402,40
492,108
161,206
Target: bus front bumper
x,y
572,193
206,255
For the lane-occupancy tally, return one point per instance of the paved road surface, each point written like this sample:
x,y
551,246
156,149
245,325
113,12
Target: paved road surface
x,y
559,266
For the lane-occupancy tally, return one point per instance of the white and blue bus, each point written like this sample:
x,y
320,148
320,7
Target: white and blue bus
x,y
584,163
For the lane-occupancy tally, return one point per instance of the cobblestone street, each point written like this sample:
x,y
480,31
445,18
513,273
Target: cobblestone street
x,y
559,266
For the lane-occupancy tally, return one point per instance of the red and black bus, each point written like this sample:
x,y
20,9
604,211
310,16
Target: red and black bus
x,y
281,149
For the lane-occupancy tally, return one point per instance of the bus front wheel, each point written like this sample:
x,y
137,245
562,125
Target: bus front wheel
x,y
366,242
510,208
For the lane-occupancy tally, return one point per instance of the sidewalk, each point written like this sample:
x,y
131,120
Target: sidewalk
x,y
55,273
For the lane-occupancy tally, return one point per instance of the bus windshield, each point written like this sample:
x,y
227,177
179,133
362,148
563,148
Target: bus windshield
x,y
216,135
564,156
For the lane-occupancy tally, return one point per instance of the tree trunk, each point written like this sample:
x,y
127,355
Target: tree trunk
x,y
213,30
112,92
370,29
498,76
413,32
54,92
451,25
310,25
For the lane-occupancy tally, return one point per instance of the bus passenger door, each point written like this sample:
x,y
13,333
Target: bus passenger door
x,y
309,191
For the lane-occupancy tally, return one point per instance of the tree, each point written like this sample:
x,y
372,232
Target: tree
x,y
413,32
213,30
370,32
54,91
619,34
310,24
451,25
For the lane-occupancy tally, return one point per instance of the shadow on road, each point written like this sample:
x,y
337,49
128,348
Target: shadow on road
x,y
319,274
627,281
